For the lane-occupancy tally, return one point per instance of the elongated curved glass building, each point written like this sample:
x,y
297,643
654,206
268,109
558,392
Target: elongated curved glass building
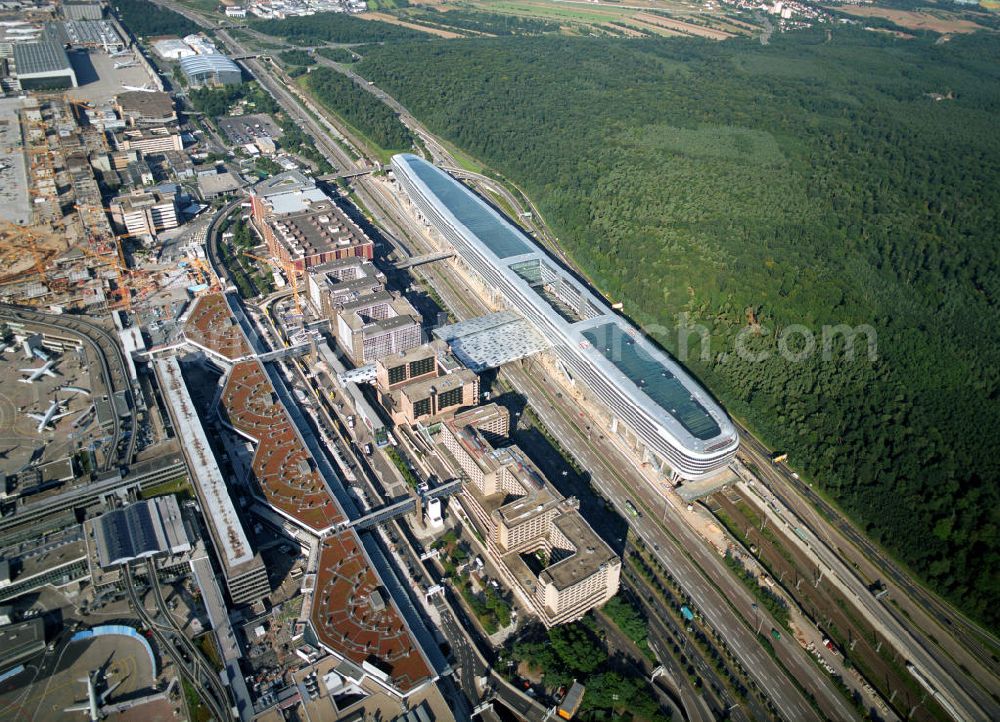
x,y
672,419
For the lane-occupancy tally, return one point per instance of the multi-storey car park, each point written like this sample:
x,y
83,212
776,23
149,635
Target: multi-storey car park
x,y
352,612
678,428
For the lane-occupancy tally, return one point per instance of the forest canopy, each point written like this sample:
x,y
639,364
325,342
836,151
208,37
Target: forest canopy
x,y
848,179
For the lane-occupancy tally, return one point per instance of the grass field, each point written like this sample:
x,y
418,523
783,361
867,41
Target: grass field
x,y
177,486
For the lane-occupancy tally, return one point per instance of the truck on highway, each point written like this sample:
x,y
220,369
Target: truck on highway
x,y
631,508
776,634
687,613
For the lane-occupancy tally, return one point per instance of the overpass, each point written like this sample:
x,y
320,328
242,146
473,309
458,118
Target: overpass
x,y
399,508
414,261
347,175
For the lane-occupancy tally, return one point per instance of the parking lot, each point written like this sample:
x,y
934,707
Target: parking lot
x,y
245,128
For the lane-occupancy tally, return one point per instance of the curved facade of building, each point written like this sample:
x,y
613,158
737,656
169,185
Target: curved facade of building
x,y
212,70
670,415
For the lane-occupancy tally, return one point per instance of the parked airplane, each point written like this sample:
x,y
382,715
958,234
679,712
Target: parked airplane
x,y
53,413
139,88
94,706
35,374
127,64
76,390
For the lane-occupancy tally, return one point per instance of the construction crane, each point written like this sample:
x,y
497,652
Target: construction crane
x,y
290,271
15,237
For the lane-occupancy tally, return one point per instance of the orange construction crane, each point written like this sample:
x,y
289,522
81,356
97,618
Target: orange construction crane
x,y
16,237
290,270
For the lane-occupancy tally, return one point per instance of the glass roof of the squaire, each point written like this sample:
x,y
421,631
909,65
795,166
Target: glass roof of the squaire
x,y
655,381
470,210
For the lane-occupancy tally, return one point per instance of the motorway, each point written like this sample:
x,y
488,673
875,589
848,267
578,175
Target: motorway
x,y
688,553
974,701
787,697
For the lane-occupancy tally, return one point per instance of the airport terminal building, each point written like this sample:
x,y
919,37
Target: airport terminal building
x,y
669,418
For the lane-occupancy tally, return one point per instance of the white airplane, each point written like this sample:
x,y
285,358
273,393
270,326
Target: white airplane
x,y
35,374
94,706
54,413
128,64
76,390
139,88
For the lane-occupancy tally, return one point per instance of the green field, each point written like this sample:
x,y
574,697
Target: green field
x,y
771,194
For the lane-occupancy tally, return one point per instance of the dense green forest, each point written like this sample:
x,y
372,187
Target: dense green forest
x,y
823,179
337,55
359,108
334,28
146,19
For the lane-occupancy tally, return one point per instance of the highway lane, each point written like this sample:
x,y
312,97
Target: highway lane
x,y
972,701
713,603
664,633
969,644
191,670
787,698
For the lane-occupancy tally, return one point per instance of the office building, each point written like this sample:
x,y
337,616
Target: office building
x,y
376,325
535,537
424,384
329,285
145,213
150,140
654,406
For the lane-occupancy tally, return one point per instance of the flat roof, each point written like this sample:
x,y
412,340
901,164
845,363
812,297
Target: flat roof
x,y
650,375
348,617
487,342
469,210
146,105
208,478
45,56
21,639
211,325
282,464
322,228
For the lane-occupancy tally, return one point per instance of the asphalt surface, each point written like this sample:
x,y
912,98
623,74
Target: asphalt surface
x,y
787,698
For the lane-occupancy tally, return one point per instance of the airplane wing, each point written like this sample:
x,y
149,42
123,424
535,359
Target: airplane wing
x,y
36,417
78,708
107,693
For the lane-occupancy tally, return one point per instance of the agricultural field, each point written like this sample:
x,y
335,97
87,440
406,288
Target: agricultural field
x,y
644,18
